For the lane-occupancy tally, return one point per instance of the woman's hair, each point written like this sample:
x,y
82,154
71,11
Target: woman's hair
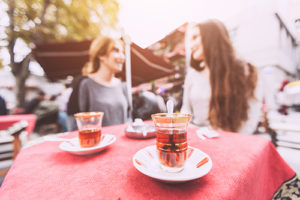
x,y
101,46
232,80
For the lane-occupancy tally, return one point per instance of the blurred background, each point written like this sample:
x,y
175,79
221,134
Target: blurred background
x,y
44,44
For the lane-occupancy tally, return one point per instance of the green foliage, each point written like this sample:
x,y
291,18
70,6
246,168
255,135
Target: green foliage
x,y
40,21
44,21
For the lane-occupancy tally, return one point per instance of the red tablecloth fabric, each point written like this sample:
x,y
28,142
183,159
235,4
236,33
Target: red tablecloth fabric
x,y
244,167
8,120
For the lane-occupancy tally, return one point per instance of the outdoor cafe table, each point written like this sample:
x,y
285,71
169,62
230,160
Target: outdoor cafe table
x,y
244,167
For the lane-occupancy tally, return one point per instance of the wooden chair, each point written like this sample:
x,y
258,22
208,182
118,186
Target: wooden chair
x,y
10,145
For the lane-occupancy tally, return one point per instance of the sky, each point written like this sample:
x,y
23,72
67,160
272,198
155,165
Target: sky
x,y
147,21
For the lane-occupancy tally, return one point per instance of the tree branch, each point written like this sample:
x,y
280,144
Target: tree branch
x,y
25,66
45,7
11,30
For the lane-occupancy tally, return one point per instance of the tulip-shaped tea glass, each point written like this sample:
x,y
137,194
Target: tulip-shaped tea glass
x,y
171,140
89,126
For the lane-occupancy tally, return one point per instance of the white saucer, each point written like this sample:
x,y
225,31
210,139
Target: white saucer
x,y
146,161
74,147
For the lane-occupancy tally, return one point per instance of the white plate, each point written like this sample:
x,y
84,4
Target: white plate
x,y
146,161
74,147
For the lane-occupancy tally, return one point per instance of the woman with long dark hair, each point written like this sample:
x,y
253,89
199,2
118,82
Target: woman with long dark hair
x,y
220,89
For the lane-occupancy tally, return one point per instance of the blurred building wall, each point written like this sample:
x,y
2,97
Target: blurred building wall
x,y
261,39
264,33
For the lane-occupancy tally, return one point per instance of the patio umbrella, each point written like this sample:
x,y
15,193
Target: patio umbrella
x,y
60,60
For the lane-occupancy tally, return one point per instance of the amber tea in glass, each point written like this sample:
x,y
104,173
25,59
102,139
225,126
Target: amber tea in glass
x,y
89,128
171,140
89,137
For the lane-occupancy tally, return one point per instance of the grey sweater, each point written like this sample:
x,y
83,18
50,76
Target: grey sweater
x,y
112,101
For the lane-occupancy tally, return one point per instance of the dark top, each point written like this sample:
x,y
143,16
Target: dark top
x,y
3,109
32,105
73,105
112,101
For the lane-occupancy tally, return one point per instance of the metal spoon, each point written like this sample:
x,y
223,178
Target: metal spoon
x,y
170,106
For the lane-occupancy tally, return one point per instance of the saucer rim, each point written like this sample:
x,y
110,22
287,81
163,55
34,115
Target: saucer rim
x,y
81,150
174,179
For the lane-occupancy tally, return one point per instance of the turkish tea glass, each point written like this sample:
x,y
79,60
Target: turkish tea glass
x,y
89,126
171,140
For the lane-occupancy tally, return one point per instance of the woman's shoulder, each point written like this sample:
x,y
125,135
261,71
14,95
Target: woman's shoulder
x,y
193,74
89,83
123,83
117,82
86,81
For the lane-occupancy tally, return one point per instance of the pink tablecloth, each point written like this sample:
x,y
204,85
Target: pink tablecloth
x,y
8,120
244,167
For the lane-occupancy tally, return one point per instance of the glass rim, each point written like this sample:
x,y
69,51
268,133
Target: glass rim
x,y
174,118
173,115
88,114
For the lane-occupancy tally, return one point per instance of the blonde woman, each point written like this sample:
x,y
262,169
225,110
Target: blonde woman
x,y
101,90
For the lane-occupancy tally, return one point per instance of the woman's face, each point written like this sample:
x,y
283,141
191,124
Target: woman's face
x,y
115,59
196,44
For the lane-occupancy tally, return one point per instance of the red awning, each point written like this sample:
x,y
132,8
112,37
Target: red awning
x,y
62,59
